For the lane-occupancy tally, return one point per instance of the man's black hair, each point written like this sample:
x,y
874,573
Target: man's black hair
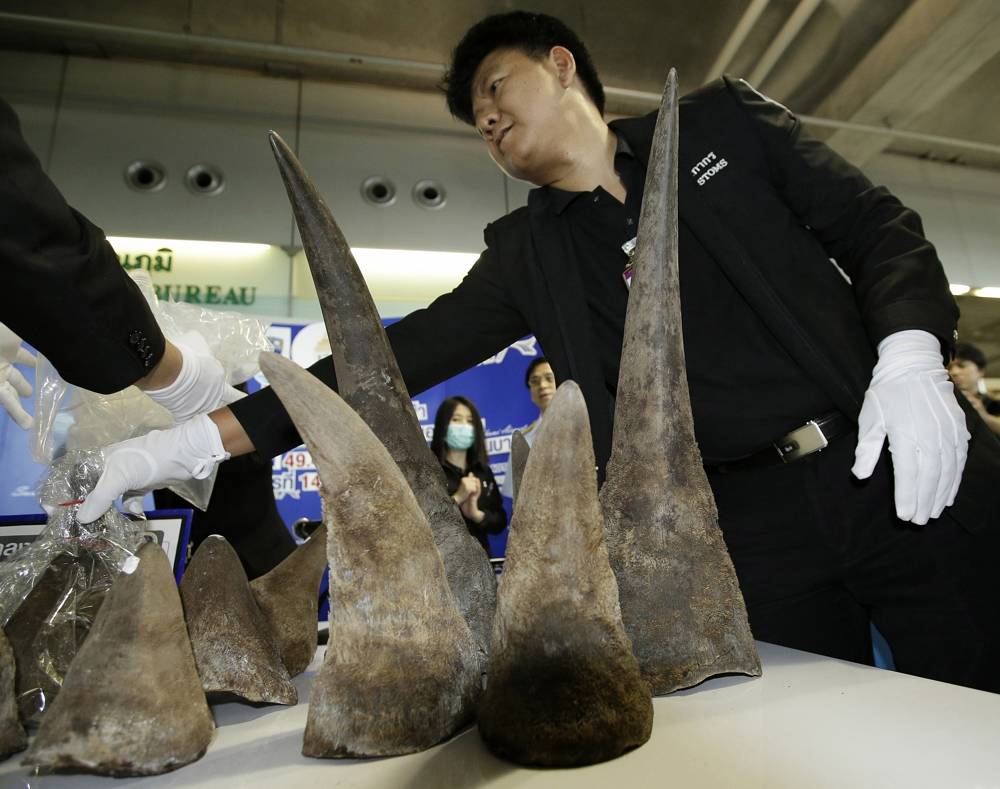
x,y
969,352
539,360
532,34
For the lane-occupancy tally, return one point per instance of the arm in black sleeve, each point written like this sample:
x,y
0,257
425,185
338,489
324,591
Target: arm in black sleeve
x,y
457,331
898,281
64,290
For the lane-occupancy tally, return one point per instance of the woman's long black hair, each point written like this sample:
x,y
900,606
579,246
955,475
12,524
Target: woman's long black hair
x,y
477,452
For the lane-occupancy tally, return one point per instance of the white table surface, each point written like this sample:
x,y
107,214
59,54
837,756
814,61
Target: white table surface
x,y
809,723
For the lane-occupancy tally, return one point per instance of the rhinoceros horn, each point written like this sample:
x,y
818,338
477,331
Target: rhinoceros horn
x,y
288,597
402,671
680,599
234,647
369,380
132,702
12,736
519,450
564,687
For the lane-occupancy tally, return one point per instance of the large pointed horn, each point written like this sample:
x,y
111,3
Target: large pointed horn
x,y
234,648
132,702
402,671
370,382
680,598
288,597
564,687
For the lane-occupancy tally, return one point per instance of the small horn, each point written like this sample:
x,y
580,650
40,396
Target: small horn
x,y
132,702
234,648
288,597
519,450
12,736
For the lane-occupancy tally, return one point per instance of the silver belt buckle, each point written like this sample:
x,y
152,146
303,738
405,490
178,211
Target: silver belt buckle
x,y
801,442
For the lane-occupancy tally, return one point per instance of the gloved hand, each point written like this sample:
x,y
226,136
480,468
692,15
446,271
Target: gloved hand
x,y
912,402
200,386
160,458
13,385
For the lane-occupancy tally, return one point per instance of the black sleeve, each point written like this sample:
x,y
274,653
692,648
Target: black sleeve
x,y
64,290
491,504
898,281
457,331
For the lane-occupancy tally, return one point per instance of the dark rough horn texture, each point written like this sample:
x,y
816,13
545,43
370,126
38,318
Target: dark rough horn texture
x,y
132,703
680,599
12,736
288,597
369,380
402,671
46,642
564,688
233,645
519,449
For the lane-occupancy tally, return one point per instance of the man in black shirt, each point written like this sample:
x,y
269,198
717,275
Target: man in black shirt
x,y
786,353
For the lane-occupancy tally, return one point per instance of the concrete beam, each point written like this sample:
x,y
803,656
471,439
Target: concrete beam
x,y
932,49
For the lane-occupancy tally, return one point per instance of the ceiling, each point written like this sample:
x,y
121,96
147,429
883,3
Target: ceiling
x,y
914,77
925,71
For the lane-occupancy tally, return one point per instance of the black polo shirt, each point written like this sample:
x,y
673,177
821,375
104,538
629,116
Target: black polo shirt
x,y
746,391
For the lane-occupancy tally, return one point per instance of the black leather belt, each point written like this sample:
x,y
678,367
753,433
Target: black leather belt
x,y
812,437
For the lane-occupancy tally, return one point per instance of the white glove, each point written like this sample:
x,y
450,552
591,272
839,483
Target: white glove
x,y
912,402
13,385
200,386
160,458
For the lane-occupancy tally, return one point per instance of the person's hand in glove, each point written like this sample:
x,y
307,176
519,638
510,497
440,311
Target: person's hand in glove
x,y
911,401
13,385
200,384
160,458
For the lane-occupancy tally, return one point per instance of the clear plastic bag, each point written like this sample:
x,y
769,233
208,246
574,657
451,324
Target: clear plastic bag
x,y
51,590
68,418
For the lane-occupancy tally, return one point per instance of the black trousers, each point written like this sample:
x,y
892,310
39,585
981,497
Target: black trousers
x,y
819,554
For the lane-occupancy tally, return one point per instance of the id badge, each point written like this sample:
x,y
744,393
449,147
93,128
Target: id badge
x,y
629,249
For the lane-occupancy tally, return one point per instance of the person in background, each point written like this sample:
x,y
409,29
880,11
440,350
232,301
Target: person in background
x,y
541,384
967,370
460,446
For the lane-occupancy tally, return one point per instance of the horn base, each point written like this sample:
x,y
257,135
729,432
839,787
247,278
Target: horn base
x,y
393,696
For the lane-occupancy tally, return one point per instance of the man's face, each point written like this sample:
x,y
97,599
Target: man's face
x,y
965,375
542,385
516,101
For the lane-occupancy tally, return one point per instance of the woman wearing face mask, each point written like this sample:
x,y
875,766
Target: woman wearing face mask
x,y
460,446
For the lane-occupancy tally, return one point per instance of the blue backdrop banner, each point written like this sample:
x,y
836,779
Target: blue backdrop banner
x,y
496,386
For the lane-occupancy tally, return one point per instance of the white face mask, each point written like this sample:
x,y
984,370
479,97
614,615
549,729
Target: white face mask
x,y
460,436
